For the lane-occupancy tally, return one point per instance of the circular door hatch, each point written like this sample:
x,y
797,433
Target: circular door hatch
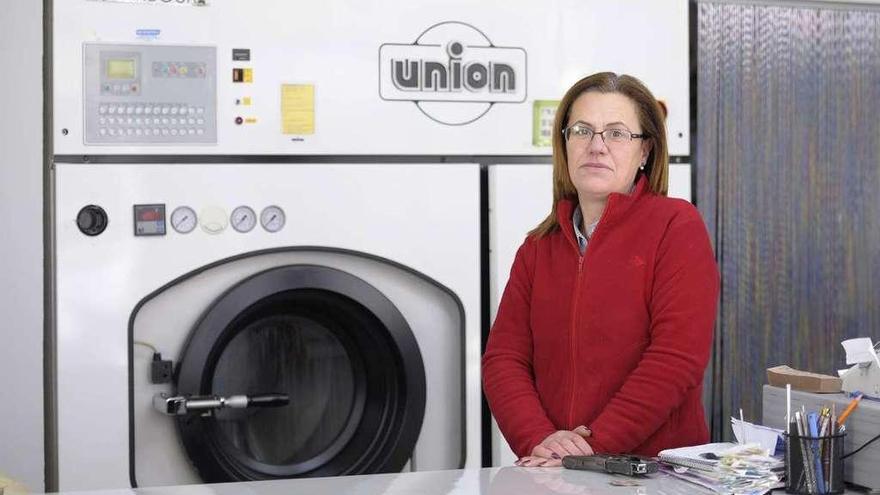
x,y
336,346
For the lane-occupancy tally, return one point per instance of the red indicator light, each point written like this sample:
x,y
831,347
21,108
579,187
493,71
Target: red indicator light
x,y
149,215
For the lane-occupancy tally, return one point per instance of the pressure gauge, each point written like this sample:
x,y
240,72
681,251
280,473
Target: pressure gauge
x,y
183,219
272,218
243,219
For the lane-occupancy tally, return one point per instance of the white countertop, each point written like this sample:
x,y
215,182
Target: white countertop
x,y
495,481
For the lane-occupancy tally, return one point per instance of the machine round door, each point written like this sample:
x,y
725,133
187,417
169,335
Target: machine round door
x,y
338,349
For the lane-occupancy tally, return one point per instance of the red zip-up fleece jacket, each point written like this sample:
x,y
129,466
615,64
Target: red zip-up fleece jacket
x,y
617,339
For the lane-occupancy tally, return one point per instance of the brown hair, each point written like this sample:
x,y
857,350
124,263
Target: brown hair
x,y
651,120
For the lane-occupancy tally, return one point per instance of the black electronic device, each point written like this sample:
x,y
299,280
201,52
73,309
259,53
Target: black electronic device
x,y
617,464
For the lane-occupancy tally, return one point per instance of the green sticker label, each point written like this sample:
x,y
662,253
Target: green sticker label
x,y
543,113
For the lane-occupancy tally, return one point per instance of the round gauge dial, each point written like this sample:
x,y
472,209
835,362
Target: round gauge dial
x,y
184,219
243,219
272,218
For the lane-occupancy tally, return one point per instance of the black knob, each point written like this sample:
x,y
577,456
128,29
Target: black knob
x,y
91,220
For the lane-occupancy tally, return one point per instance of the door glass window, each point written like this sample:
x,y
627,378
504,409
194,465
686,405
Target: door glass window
x,y
295,355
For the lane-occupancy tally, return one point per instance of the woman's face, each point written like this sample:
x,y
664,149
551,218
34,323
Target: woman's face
x,y
599,167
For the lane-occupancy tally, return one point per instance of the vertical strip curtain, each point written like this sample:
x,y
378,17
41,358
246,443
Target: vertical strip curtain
x,y
788,168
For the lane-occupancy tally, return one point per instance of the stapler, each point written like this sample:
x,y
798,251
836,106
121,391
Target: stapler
x,y
864,378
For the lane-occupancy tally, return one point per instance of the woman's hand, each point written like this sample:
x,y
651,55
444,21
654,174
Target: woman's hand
x,y
557,445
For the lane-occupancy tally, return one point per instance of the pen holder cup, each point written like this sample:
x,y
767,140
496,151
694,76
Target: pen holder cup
x,y
814,465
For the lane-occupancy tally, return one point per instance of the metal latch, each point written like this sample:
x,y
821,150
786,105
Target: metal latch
x,y
181,405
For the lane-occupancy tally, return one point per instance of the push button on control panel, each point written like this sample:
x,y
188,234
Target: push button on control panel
x,y
173,119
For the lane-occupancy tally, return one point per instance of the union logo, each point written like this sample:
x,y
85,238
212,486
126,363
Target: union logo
x,y
452,72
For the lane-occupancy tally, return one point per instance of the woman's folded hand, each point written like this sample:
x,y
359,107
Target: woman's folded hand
x,y
551,450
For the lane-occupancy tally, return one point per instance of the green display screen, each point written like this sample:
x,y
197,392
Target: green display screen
x,y
120,68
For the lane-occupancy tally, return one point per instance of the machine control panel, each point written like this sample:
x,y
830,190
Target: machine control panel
x,y
149,94
149,219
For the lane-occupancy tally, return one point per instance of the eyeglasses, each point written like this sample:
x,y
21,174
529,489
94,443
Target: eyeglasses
x,y
583,133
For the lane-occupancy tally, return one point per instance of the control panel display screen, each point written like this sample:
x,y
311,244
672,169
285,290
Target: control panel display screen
x,y
120,68
149,220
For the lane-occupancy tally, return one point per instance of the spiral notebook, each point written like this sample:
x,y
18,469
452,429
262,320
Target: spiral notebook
x,y
703,457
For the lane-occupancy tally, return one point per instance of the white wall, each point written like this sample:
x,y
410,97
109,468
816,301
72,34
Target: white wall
x,y
21,251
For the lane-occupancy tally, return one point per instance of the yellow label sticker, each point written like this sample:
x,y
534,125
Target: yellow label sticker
x,y
246,101
249,75
298,108
250,120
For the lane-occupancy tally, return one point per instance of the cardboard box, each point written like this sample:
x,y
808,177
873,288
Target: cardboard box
x,y
779,376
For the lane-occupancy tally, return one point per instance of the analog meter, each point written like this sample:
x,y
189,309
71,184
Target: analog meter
x,y
243,219
183,219
272,218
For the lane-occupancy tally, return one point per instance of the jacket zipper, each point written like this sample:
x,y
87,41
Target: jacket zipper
x,y
571,339
574,318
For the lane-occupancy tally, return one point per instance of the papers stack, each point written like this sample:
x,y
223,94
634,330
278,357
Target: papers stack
x,y
770,439
726,468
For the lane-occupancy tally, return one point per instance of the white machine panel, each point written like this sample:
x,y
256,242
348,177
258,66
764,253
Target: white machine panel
x,y
421,216
520,196
383,77
149,94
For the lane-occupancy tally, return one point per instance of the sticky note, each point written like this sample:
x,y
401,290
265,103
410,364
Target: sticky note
x,y
297,108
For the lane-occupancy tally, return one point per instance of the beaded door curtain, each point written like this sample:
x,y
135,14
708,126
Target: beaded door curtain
x,y
788,174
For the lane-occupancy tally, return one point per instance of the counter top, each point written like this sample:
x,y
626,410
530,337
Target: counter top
x,y
494,481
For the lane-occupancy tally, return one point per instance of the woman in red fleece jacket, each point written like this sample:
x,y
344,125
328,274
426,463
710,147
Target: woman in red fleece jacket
x,y
605,327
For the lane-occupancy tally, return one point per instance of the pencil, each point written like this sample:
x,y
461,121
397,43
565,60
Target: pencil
x,y
849,409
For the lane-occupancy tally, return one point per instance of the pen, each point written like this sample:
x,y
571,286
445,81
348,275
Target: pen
x,y
800,417
849,409
813,425
788,406
831,450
